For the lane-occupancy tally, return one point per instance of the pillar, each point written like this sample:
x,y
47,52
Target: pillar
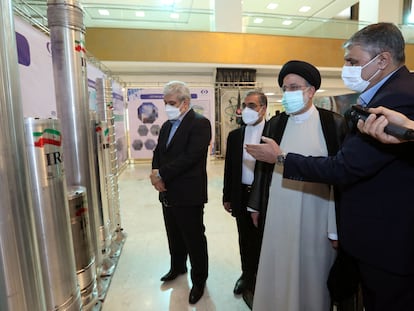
x,y
374,11
227,16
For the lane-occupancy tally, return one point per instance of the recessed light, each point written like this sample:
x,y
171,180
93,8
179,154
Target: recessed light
x,y
103,12
258,20
320,91
175,15
304,9
287,22
140,14
345,14
272,6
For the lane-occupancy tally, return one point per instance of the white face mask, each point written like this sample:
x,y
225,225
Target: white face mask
x,y
352,77
293,101
250,116
172,112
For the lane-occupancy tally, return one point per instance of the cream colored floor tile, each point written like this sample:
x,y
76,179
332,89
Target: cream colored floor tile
x,y
135,285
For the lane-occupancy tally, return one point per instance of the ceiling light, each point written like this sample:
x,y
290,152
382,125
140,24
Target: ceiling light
x,y
320,91
287,22
103,12
258,20
304,9
140,14
175,15
345,14
272,6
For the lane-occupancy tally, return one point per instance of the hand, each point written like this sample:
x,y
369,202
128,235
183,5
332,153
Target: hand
x,y
266,152
255,218
227,206
154,177
334,243
157,181
374,126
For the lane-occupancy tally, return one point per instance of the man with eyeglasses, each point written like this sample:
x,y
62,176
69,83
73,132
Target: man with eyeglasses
x,y
238,178
300,234
376,214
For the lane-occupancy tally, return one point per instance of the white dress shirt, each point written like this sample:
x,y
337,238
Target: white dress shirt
x,y
252,135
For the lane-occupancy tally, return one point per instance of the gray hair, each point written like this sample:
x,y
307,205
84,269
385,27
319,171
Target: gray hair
x,y
179,88
378,38
262,97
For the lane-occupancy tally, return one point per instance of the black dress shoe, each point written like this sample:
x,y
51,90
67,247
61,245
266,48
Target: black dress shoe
x,y
195,294
240,286
248,296
172,274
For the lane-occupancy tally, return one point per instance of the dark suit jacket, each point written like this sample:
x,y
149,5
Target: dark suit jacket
x,y
232,186
334,128
377,183
182,165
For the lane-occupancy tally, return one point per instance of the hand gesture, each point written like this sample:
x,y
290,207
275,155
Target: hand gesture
x,y
266,152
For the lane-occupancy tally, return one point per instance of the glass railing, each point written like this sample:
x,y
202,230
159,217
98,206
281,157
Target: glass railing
x,y
123,16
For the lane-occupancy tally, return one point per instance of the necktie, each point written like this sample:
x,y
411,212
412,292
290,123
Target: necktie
x,y
174,127
361,102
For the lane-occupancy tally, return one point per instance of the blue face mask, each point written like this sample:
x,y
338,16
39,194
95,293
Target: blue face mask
x,y
293,101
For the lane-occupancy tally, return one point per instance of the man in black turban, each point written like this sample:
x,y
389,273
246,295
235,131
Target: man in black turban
x,y
300,225
303,69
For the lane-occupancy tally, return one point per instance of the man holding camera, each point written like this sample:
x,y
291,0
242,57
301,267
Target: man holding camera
x,y
376,215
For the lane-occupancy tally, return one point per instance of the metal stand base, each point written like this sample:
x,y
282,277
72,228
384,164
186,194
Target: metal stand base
x,y
109,269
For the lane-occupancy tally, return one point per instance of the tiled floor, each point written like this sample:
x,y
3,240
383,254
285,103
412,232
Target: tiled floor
x,y
135,285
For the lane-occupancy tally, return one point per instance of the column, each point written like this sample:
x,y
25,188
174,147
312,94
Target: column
x,y
21,287
227,16
374,11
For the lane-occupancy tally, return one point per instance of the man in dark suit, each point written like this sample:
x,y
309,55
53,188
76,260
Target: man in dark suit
x,y
376,221
179,174
238,178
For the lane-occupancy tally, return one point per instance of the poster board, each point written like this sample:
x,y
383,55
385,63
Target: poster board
x,y
146,114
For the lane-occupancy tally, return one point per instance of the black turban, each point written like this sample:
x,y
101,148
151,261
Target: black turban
x,y
303,69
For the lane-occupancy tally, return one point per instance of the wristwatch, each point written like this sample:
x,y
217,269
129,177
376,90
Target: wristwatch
x,y
280,159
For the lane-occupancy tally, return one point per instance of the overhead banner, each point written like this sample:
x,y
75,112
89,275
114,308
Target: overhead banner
x,y
146,114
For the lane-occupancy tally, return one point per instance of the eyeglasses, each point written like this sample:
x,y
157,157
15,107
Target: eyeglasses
x,y
173,103
292,87
249,105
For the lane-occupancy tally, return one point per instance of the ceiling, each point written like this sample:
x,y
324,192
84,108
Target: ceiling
x,y
199,15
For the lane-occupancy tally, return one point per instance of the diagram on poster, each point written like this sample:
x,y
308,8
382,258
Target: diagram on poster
x,y
146,112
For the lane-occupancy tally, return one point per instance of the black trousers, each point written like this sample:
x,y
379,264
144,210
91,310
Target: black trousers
x,y
186,236
250,239
386,291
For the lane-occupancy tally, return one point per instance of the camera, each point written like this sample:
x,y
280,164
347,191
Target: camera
x,y
358,112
